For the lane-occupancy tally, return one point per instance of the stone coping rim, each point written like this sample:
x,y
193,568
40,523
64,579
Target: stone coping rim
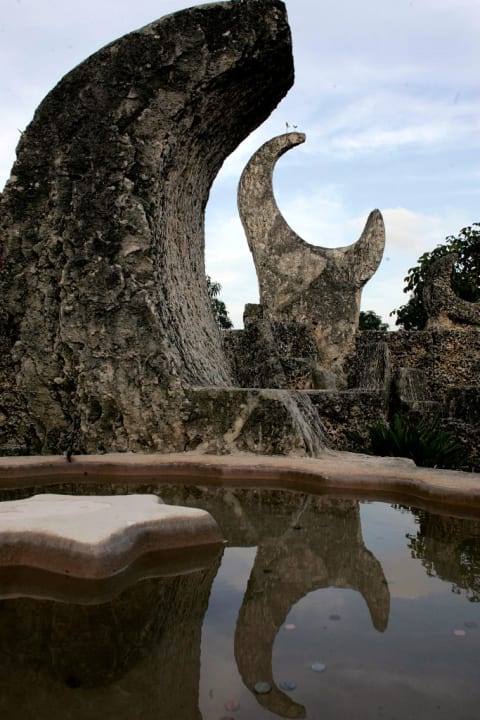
x,y
339,473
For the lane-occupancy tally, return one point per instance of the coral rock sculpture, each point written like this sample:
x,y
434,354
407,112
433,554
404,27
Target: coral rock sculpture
x,y
445,309
300,282
102,224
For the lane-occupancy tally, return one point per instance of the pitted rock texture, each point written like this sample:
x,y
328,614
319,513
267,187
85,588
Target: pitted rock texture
x,y
102,224
300,282
276,355
444,308
434,373
267,422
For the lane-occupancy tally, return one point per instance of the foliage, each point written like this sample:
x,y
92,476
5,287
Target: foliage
x,y
465,278
448,548
369,320
220,312
420,439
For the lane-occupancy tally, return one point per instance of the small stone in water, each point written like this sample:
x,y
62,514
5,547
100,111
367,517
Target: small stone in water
x,y
232,705
459,633
287,685
470,624
290,626
262,687
334,617
318,666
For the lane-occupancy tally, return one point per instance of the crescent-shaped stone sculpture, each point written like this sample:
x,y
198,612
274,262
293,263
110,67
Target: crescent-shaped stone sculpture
x,y
103,290
444,309
300,282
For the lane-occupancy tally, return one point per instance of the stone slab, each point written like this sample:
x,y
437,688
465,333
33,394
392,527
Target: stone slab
x,y
96,536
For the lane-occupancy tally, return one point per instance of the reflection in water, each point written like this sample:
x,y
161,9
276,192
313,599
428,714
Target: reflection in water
x,y
112,660
134,652
449,548
319,546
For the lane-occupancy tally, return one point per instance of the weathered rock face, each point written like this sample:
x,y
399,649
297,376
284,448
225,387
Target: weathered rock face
x,y
103,284
444,308
301,282
275,355
267,422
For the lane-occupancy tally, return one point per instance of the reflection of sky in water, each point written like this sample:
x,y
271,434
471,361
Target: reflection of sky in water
x,y
416,668
221,680
384,531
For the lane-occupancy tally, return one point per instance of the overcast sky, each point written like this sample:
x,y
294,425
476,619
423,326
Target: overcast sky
x,y
387,92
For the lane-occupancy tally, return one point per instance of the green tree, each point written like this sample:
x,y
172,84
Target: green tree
x,y
369,320
220,312
465,278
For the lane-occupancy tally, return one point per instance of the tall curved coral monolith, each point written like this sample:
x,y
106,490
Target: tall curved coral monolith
x,y
102,223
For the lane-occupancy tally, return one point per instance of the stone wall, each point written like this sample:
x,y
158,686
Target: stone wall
x,y
446,358
432,373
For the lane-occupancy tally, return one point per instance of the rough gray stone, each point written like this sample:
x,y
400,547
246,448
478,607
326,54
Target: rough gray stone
x,y
268,422
444,308
301,282
274,355
371,365
102,224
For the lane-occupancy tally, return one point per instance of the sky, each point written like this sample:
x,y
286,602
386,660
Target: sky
x,y
386,92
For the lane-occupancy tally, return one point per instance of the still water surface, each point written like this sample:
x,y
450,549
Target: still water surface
x,y
382,599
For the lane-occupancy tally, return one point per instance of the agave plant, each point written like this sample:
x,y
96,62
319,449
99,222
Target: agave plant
x,y
420,439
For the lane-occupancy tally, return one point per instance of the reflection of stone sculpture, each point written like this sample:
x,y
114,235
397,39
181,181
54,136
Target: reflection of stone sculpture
x,y
103,285
304,543
301,282
444,308
298,562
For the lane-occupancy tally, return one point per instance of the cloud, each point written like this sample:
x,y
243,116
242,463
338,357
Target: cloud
x,y
419,232
391,121
408,235
375,139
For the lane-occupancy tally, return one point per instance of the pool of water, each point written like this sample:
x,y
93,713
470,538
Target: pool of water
x,y
339,608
